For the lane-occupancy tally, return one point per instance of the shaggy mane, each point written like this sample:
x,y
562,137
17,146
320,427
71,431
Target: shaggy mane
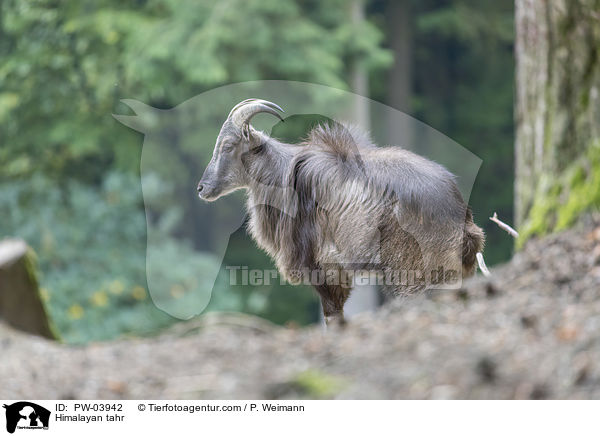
x,y
339,139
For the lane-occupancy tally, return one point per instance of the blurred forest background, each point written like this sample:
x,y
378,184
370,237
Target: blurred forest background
x,y
69,172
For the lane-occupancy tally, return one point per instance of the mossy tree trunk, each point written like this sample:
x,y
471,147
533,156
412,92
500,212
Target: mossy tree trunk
x,y
557,113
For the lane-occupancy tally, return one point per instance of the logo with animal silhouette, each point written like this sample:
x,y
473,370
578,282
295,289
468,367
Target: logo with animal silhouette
x,y
26,415
321,196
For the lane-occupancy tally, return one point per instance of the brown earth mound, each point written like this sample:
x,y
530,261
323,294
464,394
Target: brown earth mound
x,y
530,331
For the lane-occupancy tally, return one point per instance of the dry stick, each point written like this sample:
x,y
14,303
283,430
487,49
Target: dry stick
x,y
512,232
504,226
223,319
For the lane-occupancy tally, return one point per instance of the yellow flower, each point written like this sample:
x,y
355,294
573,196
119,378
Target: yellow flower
x,y
177,291
45,294
138,292
76,311
100,299
116,287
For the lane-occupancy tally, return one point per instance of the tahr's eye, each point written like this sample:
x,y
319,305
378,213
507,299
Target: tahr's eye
x,y
228,148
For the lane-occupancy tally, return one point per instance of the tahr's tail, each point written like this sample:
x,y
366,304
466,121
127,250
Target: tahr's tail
x,y
473,242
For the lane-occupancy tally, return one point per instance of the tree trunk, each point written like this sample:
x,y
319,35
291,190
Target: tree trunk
x,y
399,33
20,303
557,113
359,79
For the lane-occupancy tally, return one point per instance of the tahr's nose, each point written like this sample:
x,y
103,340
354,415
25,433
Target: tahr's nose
x,y
200,187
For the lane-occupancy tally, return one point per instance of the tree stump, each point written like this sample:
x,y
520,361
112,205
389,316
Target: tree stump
x,y
21,305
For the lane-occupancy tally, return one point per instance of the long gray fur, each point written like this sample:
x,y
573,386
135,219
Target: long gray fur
x,y
335,203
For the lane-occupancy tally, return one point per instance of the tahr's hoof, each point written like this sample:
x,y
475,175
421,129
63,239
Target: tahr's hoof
x,y
335,322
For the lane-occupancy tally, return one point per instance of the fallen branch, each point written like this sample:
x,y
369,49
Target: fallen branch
x,y
231,319
512,232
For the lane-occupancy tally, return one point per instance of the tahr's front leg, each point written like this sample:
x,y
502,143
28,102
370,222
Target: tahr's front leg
x,y
333,299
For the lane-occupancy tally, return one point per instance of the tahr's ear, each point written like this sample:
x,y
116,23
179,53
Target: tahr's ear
x,y
246,131
146,117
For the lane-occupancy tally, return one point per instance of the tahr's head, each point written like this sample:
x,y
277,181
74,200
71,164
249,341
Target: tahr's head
x,y
226,171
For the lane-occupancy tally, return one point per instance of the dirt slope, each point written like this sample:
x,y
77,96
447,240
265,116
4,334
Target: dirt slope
x,y
532,331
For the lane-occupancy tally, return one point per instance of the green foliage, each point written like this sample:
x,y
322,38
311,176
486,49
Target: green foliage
x,y
69,171
90,246
476,23
64,70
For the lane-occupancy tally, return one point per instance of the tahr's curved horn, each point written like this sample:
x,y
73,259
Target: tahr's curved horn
x,y
243,112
